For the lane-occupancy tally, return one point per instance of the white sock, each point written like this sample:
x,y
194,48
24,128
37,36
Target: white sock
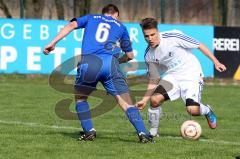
x,y
154,115
204,109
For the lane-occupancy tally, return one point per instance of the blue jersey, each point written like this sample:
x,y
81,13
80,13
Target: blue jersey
x,y
103,35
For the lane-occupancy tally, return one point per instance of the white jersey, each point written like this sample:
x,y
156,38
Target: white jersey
x,y
173,56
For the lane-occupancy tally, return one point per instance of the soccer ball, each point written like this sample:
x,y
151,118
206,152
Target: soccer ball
x,y
191,129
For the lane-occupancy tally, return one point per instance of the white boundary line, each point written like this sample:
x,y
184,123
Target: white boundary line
x,y
75,128
207,140
37,125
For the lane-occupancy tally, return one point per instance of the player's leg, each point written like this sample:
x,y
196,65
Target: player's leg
x,y
194,105
191,93
155,109
209,114
134,116
154,114
84,116
207,111
196,109
114,82
85,84
167,89
193,108
117,86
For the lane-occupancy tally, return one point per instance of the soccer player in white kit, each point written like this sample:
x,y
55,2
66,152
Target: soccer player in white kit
x,y
170,53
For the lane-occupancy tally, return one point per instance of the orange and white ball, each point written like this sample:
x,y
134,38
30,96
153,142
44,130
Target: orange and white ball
x,y
191,129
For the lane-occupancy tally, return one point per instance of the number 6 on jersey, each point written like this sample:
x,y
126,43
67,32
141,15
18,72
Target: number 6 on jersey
x,y
102,32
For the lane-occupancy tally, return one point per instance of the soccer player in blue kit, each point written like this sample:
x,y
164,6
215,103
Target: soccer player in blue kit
x,y
104,38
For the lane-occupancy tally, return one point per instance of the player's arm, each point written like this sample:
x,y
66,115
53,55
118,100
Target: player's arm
x,y
126,47
219,66
152,84
191,43
126,57
154,78
64,32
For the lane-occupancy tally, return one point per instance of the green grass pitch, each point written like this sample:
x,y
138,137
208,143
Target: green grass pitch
x,y
30,128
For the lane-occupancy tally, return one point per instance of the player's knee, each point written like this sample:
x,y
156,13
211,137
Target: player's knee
x,y
193,110
79,98
156,100
193,107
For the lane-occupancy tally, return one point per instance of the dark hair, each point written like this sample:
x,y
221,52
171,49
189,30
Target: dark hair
x,y
149,23
110,9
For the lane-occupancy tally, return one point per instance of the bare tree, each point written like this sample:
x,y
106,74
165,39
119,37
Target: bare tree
x,y
60,9
172,11
81,7
34,8
217,16
68,9
236,13
224,10
5,10
233,13
176,11
50,9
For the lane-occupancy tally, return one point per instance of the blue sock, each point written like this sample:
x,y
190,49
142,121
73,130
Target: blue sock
x,y
84,115
135,118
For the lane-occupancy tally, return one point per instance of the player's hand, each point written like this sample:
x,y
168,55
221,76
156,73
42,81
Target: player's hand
x,y
220,67
141,104
48,48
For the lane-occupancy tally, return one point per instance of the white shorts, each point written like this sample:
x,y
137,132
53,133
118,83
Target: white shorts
x,y
183,88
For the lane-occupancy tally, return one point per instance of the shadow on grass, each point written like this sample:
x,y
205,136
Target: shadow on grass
x,y
178,136
124,136
129,137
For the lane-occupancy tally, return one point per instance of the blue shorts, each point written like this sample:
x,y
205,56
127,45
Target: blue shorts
x,y
104,68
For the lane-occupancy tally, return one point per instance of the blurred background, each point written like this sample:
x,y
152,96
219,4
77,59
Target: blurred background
x,y
213,12
31,121
35,22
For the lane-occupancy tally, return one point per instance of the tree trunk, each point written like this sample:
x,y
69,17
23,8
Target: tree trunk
x,y
5,10
172,11
60,9
176,11
237,13
233,13
34,8
81,7
224,10
217,16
